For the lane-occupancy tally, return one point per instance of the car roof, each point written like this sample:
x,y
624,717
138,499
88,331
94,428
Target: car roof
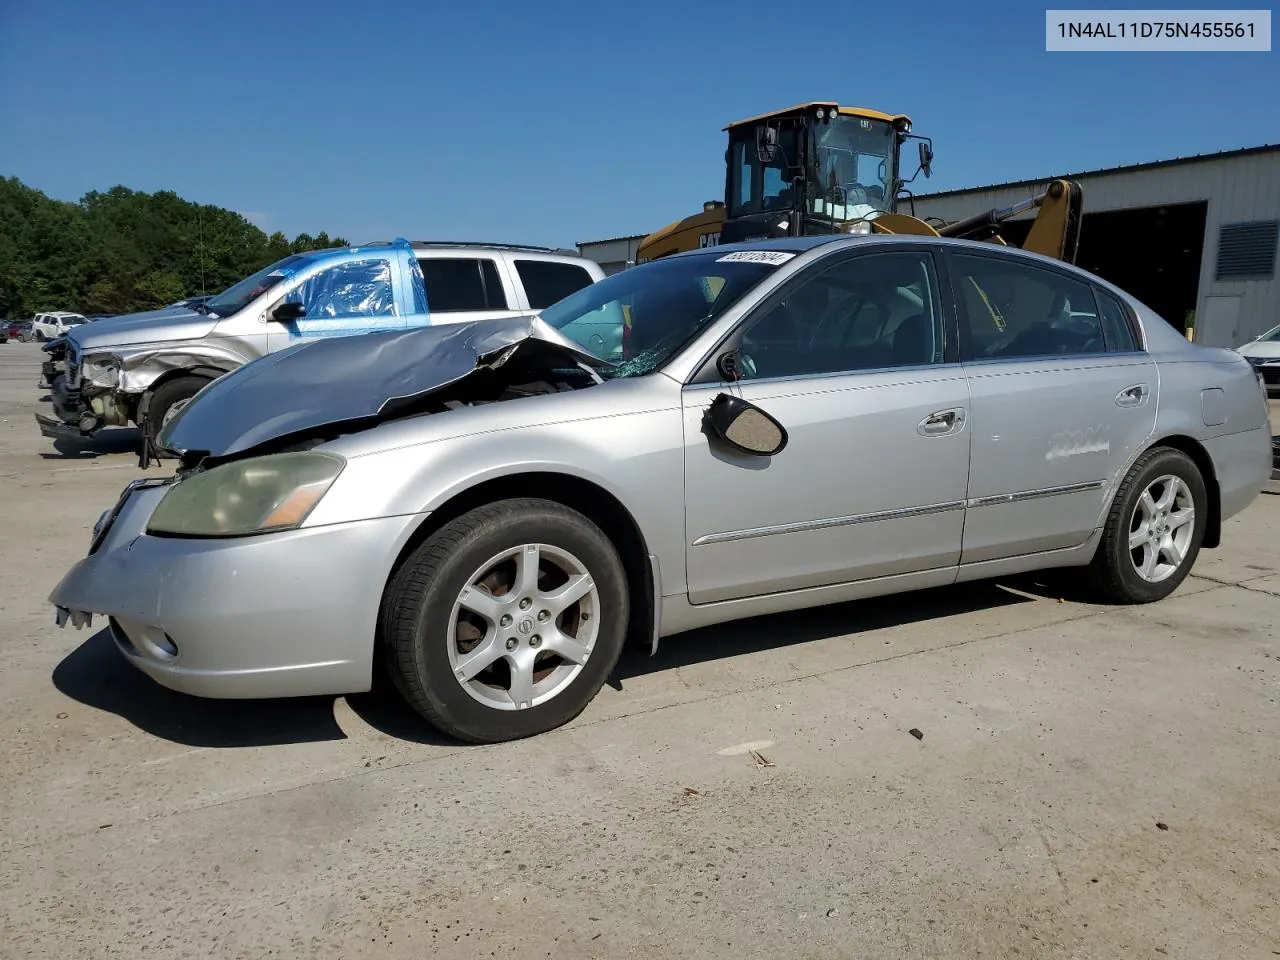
x,y
421,248
792,244
799,245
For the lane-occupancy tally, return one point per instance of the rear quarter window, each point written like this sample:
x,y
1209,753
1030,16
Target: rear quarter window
x,y
1116,329
546,282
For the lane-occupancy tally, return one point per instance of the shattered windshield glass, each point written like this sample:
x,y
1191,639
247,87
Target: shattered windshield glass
x,y
638,319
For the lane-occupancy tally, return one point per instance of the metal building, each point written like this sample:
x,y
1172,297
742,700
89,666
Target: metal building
x,y
614,254
1195,238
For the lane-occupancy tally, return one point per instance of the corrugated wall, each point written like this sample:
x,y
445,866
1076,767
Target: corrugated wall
x,y
1242,188
614,254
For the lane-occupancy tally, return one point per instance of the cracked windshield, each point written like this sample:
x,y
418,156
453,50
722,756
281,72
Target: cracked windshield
x,y
640,318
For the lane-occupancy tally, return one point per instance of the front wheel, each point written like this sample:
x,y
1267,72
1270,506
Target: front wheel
x,y
1154,530
166,400
507,621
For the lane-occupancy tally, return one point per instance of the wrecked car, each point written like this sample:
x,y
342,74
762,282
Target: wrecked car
x,y
488,511
141,367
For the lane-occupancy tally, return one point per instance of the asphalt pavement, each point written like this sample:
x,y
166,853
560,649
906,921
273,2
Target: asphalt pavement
x,y
1087,781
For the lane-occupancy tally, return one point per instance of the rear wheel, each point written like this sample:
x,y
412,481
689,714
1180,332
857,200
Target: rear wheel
x,y
506,622
1154,530
166,400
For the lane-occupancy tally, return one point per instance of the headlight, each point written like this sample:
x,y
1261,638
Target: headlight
x,y
859,226
102,370
260,495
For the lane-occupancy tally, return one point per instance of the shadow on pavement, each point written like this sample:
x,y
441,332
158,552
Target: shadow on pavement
x,y
387,712
96,675
107,443
818,623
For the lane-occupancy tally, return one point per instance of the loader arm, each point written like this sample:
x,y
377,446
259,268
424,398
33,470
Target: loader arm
x,y
1055,232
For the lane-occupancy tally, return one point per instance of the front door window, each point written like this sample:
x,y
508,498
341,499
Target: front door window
x,y
360,289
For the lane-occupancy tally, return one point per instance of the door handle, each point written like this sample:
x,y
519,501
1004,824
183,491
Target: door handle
x,y
941,423
1134,396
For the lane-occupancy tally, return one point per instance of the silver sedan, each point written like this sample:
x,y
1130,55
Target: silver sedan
x,y
490,510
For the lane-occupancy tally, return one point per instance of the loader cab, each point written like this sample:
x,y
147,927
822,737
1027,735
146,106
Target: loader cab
x,y
811,169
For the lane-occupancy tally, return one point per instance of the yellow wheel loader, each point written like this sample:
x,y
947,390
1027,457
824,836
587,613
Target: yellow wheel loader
x,y
820,168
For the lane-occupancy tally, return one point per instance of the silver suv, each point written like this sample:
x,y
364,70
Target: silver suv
x,y
141,367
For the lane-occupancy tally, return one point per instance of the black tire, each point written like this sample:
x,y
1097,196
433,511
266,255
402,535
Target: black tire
x,y
1114,570
420,599
164,397
40,336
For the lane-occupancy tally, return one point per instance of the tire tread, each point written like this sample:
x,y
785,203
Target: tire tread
x,y
1105,571
407,595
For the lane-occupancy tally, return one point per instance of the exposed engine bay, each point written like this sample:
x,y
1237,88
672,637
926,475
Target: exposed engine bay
x,y
318,391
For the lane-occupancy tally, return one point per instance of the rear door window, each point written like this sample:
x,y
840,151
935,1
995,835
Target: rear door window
x,y
547,281
1016,310
456,284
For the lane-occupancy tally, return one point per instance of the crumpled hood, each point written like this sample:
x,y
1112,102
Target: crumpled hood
x,y
354,379
152,326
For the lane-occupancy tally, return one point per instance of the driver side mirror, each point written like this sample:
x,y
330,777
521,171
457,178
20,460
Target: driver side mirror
x,y
289,310
926,159
745,427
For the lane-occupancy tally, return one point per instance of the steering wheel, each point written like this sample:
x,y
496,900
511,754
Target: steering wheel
x,y
836,311
854,194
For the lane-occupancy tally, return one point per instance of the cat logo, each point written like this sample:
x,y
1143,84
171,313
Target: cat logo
x,y
709,239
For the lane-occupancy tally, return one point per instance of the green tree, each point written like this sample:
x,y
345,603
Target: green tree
x,y
121,250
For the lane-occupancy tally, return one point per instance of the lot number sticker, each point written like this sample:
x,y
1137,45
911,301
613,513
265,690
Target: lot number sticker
x,y
773,257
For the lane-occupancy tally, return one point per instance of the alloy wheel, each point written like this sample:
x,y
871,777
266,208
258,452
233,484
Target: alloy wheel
x,y
523,627
1161,528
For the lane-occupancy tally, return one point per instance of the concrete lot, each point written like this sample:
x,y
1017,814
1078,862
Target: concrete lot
x,y
1091,782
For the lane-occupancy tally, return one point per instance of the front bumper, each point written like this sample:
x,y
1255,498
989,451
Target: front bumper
x,y
73,417
58,429
278,615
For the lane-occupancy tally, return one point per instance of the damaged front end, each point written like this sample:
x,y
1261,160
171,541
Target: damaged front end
x,y
164,561
107,388
318,390
55,363
74,414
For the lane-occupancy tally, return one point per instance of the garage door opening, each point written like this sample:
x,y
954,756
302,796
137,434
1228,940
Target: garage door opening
x,y
1153,253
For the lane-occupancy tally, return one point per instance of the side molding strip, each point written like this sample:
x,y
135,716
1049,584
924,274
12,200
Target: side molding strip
x,y
1037,494
806,526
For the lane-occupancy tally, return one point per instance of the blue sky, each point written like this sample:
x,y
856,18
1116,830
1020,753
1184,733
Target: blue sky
x,y
556,121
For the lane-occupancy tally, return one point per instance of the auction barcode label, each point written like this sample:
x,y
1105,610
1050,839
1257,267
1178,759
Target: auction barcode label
x,y
1143,30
